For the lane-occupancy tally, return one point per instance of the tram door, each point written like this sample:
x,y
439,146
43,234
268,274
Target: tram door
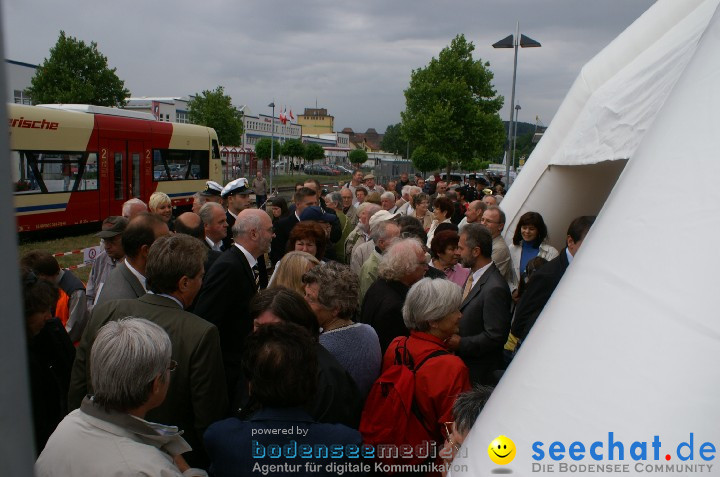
x,y
124,160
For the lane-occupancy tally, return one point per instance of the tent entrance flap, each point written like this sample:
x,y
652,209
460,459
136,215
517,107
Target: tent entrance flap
x,y
566,192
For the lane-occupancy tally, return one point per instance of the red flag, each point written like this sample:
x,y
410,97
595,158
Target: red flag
x,y
291,114
283,117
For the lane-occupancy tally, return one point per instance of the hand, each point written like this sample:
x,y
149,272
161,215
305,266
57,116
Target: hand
x,y
181,463
453,343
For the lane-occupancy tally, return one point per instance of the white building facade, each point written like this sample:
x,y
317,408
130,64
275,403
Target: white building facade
x,y
19,78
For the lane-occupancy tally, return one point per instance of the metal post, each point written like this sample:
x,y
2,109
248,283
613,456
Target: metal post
x,y
517,110
272,143
512,106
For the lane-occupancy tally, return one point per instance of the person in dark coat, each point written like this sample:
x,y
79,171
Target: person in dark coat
x,y
485,322
50,356
229,285
403,264
337,399
543,282
280,363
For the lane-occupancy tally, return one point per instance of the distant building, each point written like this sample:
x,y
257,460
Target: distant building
x,y
316,121
369,140
258,127
173,109
336,145
19,78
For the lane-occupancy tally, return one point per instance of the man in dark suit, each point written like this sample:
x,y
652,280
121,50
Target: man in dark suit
x,y
197,395
230,284
127,280
304,197
485,322
544,281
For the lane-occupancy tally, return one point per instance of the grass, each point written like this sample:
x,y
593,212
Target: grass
x,y
65,244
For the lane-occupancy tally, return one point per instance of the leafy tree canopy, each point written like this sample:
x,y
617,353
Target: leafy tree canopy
x,y
451,109
262,149
427,160
214,109
77,73
358,157
313,152
293,148
394,141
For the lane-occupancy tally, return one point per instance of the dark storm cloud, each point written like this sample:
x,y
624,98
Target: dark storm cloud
x,y
354,58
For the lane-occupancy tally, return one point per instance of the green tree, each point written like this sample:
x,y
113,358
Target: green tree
x,y
427,160
293,148
77,73
358,157
451,108
394,141
214,109
313,152
262,149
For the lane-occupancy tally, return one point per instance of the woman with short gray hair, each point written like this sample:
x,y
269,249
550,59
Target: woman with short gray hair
x,y
431,313
331,291
130,367
429,301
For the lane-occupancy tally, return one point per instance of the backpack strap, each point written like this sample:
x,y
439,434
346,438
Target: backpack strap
x,y
414,407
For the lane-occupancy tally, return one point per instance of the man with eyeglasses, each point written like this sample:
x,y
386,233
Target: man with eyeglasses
x,y
109,434
197,394
494,220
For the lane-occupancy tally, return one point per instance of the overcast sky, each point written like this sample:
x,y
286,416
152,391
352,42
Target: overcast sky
x,y
353,58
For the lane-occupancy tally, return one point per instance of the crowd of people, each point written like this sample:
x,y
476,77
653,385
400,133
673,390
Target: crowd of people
x,y
209,342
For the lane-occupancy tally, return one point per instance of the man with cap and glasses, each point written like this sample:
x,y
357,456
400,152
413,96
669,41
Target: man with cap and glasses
x,y
370,185
111,235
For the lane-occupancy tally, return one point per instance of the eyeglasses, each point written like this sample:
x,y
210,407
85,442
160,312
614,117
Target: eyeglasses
x,y
173,365
448,435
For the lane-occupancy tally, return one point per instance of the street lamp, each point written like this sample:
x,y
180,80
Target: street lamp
x,y
511,41
272,142
517,110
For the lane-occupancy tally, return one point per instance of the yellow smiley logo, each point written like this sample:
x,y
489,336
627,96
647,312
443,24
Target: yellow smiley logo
x,y
502,450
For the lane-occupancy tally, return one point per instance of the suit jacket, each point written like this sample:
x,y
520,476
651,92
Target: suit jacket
x,y
224,300
541,286
120,283
197,396
382,309
485,325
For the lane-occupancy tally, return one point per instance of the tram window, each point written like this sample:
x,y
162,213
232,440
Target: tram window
x,y
43,172
215,150
174,165
118,174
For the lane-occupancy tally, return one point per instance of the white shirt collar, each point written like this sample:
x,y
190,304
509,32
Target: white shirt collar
x,y
230,212
479,273
137,274
297,216
569,255
213,245
171,297
251,260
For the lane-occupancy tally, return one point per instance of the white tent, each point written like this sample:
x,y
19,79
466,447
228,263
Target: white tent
x,y
629,343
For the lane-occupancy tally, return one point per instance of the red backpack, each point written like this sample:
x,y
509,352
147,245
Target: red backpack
x,y
391,415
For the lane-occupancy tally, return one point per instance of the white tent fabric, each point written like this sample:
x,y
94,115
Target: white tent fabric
x,y
630,341
605,116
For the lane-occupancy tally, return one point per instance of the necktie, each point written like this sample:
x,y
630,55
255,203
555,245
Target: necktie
x,y
256,274
468,286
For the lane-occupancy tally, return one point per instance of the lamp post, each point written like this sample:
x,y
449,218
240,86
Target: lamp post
x,y
517,111
511,41
272,143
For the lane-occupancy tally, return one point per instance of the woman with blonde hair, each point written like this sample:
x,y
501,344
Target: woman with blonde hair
x,y
290,270
161,205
